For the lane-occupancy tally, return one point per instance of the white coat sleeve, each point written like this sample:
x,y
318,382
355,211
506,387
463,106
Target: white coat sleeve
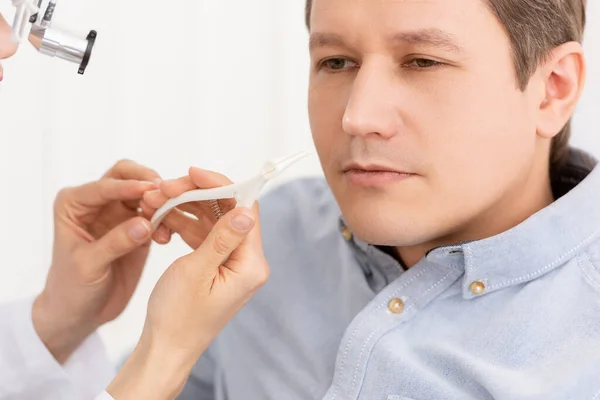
x,y
28,371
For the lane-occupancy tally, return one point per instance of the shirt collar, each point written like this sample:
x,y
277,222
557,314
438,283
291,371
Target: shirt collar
x,y
543,242
380,267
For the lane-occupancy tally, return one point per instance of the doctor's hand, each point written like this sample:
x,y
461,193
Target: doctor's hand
x,y
100,247
193,300
191,221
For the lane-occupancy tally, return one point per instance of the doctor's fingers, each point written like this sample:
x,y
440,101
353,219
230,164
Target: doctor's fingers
x,y
120,241
130,170
99,193
155,199
203,210
206,212
199,179
192,231
162,235
225,237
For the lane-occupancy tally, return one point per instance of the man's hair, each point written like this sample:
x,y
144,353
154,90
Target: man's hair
x,y
535,27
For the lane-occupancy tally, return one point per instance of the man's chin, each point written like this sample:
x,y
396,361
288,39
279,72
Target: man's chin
x,y
379,230
386,217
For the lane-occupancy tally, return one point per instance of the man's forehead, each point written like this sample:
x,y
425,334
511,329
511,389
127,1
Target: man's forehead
x,y
443,22
435,9
327,4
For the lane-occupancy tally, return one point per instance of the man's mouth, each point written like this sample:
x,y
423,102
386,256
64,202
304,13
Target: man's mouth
x,y
374,174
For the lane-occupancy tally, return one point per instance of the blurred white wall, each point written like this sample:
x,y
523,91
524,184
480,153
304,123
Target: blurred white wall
x,y
217,84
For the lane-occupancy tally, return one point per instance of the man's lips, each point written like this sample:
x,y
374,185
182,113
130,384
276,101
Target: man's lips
x,y
373,168
373,174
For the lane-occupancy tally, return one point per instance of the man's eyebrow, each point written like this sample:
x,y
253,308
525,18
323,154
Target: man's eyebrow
x,y
325,40
430,37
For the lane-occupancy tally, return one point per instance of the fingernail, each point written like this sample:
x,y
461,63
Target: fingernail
x,y
242,222
149,184
139,231
151,193
164,234
157,181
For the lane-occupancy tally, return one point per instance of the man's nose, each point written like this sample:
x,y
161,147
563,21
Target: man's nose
x,y
372,108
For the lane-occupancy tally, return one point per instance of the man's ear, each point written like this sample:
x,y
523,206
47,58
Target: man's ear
x,y
563,74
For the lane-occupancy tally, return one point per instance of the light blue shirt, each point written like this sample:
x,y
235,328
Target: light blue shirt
x,y
515,316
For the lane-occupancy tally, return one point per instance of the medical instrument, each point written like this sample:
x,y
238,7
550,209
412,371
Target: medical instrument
x,y
216,208
30,23
245,193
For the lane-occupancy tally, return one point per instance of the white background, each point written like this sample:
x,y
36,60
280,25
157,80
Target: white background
x,y
219,84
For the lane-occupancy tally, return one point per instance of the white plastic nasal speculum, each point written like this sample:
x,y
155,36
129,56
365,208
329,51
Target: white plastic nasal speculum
x,y
245,193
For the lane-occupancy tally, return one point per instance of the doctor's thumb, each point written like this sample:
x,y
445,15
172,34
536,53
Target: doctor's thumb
x,y
121,240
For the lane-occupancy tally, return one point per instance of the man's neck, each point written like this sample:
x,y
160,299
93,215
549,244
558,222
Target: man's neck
x,y
514,208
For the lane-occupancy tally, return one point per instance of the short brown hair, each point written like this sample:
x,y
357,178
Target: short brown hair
x,y
535,27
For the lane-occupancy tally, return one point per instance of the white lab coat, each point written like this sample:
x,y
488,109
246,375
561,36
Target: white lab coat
x,y
29,372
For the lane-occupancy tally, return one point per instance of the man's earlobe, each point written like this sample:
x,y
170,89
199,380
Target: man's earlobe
x,y
564,73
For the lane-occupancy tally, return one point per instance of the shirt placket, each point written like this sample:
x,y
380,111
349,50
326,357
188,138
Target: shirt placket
x,y
396,304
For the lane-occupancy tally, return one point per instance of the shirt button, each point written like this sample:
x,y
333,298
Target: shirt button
x,y
396,306
477,287
346,233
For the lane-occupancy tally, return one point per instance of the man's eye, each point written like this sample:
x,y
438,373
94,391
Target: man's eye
x,y
337,64
423,63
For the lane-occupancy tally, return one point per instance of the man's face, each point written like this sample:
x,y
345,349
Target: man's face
x,y
424,94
